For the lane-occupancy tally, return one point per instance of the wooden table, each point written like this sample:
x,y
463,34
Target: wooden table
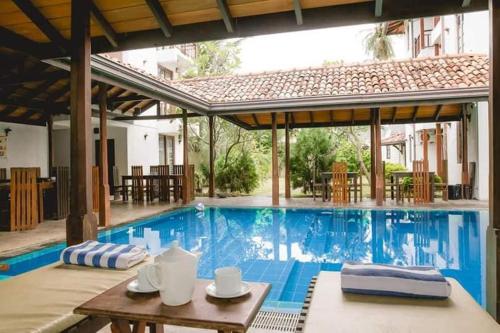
x,y
398,175
223,315
326,177
149,182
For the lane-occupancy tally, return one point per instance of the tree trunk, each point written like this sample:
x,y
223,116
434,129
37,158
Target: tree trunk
x,y
359,152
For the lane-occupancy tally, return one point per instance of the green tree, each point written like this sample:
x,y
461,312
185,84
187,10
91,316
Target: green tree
x,y
378,43
215,58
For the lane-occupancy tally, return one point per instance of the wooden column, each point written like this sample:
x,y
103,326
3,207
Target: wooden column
x,y
425,146
372,161
494,153
439,150
211,148
81,223
50,128
465,151
104,204
288,193
186,180
275,175
379,172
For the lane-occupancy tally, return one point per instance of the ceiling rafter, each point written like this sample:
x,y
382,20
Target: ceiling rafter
x,y
438,112
107,29
415,112
130,106
254,116
226,15
394,113
32,12
297,7
33,77
128,98
161,17
352,116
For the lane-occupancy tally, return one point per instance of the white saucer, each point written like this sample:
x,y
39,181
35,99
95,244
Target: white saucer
x,y
211,290
134,287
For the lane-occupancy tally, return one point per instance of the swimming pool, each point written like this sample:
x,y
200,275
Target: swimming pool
x,y
287,247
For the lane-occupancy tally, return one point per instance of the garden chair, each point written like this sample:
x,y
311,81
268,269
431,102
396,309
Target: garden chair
x,y
340,189
421,184
137,183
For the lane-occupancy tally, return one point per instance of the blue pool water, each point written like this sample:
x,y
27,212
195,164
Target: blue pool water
x,y
287,247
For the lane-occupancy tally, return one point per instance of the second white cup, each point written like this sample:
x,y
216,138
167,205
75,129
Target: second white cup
x,y
228,281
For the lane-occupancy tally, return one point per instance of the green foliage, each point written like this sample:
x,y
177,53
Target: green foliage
x,y
215,58
378,43
346,152
437,179
407,183
311,154
237,174
391,167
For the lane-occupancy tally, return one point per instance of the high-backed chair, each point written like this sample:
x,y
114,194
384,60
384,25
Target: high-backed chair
x,y
24,214
137,183
340,188
61,173
421,184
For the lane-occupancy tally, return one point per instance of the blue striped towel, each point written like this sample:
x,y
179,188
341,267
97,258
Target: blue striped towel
x,y
389,280
106,255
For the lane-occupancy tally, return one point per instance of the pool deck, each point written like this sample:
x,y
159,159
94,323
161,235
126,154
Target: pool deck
x,y
51,231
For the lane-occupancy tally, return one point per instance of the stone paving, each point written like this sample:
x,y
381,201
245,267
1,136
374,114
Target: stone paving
x,y
50,231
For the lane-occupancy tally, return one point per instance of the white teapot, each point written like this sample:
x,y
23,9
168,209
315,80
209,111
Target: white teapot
x,y
174,275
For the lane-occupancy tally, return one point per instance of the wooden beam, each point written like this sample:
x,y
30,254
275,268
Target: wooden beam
x,y
415,112
379,172
439,151
129,98
106,28
352,116
226,15
493,273
292,116
255,119
373,173
161,17
130,106
465,151
438,112
378,7
332,118
311,117
156,117
186,179
81,223
288,193
32,12
394,113
211,149
274,158
104,204
24,45
33,77
297,7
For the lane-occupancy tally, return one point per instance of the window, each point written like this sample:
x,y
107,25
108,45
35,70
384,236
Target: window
x,y
166,149
165,73
388,152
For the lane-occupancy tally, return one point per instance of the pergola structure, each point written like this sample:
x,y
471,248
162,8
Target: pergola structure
x,y
76,28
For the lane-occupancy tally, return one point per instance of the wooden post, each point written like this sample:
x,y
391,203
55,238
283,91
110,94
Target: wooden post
x,y
275,175
104,204
379,172
425,146
211,148
372,161
439,150
186,180
465,153
50,128
494,150
81,223
288,193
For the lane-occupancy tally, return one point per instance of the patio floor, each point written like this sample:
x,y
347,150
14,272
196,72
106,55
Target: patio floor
x,y
50,231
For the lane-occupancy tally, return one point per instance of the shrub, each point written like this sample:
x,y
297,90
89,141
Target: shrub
x,y
391,167
239,174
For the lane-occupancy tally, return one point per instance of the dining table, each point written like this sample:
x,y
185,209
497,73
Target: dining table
x,y
150,179
354,176
397,176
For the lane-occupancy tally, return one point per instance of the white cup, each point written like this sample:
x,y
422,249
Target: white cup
x,y
142,279
228,281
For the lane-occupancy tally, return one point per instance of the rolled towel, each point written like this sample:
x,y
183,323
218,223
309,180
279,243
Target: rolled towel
x,y
106,255
389,280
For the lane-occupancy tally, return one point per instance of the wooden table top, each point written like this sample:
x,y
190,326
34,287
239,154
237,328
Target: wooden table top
x,y
202,312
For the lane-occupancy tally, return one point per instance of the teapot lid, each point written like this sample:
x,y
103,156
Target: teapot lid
x,y
176,253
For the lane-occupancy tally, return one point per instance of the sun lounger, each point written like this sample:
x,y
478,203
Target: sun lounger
x,y
43,300
331,311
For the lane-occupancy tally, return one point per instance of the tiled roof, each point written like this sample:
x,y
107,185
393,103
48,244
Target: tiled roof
x,y
447,72
394,138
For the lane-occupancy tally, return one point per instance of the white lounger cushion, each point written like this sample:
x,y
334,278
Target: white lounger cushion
x,y
332,311
43,300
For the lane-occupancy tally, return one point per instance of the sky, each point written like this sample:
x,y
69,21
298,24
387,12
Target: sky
x,y
307,48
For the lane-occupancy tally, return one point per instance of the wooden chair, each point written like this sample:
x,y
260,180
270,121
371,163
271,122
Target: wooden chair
x,y
3,173
95,189
339,183
421,184
24,214
137,183
164,186
62,191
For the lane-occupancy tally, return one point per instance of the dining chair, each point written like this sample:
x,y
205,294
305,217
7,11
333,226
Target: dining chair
x,y
24,213
137,183
421,184
339,183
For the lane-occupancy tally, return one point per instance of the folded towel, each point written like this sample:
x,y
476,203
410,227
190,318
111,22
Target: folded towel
x,y
388,280
106,255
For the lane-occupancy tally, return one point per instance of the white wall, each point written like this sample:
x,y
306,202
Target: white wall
x,y
27,146
483,160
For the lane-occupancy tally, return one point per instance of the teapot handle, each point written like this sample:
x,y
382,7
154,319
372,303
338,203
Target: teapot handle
x,y
152,275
